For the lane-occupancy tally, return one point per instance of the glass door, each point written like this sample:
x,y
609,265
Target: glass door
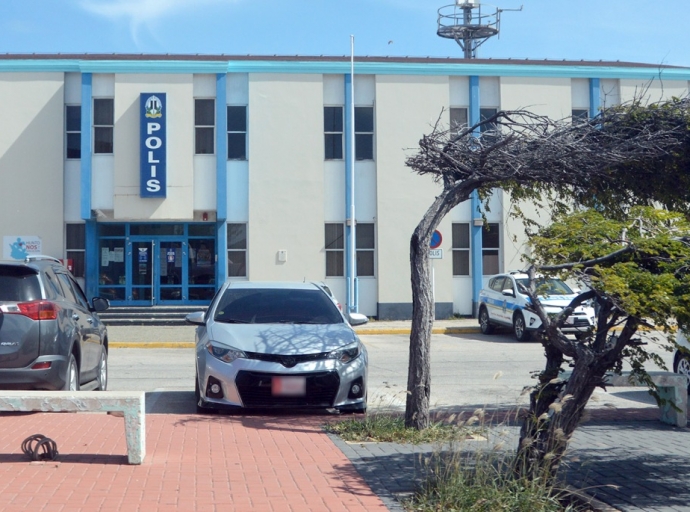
x,y
169,272
142,257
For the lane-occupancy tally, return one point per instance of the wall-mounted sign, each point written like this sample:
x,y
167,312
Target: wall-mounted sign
x,y
153,144
19,247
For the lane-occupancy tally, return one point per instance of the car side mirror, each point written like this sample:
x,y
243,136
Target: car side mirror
x,y
357,319
508,292
196,318
100,304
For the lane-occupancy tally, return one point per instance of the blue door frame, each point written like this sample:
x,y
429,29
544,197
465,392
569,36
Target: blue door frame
x,y
157,270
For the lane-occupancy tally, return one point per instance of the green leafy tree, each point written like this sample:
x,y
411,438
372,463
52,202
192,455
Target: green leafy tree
x,y
636,269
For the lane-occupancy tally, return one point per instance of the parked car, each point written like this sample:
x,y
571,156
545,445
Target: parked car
x,y
50,334
504,303
681,359
278,345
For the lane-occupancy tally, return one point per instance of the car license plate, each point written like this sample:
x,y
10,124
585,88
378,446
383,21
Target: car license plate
x,y
289,386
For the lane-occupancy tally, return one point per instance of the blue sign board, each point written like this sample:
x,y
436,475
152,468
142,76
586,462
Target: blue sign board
x,y
436,240
153,144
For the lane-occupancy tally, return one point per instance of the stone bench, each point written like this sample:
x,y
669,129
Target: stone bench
x,y
130,403
671,386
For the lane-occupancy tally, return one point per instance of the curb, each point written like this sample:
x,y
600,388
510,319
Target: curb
x,y
366,332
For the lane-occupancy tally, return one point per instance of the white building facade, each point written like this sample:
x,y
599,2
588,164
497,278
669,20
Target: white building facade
x,y
158,177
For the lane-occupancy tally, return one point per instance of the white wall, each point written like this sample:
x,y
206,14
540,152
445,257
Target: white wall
x,y
31,158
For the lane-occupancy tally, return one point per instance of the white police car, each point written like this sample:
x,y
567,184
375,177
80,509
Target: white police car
x,y
504,303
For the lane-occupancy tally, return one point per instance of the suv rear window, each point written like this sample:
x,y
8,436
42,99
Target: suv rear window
x,y
18,284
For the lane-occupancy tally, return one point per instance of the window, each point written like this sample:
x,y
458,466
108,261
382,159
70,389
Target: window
x,y
364,133
335,250
204,126
458,120
333,132
579,115
484,114
73,131
461,249
366,240
75,245
490,247
237,250
103,123
237,133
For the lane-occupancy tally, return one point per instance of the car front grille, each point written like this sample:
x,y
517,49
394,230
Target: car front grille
x,y
255,390
288,361
580,322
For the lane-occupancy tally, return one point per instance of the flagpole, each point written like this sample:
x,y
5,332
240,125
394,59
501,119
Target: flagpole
x,y
353,238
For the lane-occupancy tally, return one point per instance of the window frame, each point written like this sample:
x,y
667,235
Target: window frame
x,y
488,250
360,134
242,249
103,128
455,129
368,252
230,133
202,126
73,132
335,249
457,248
579,114
76,246
333,134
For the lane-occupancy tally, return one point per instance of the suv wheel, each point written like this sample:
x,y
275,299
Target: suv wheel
x,y
519,327
102,376
484,323
72,377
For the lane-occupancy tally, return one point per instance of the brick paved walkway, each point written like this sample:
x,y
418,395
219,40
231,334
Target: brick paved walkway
x,y
193,463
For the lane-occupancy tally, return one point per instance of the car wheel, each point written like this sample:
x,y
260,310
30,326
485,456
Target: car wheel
x,y
519,328
72,376
102,376
484,323
681,365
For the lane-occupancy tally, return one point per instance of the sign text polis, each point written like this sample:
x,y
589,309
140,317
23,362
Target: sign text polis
x,y
153,144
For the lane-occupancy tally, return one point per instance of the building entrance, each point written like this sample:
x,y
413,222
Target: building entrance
x,y
156,264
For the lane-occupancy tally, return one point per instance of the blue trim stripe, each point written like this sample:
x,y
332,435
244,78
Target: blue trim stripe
x,y
221,147
594,97
350,273
475,231
342,67
85,163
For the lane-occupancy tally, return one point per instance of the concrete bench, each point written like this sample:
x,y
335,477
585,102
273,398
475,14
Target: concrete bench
x,y
670,386
131,403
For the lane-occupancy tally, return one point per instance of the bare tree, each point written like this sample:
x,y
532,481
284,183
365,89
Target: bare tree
x,y
536,158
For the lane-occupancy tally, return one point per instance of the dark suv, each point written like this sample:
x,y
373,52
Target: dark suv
x,y
50,335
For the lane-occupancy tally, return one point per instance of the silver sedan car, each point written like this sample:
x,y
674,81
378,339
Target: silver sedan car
x,y
278,345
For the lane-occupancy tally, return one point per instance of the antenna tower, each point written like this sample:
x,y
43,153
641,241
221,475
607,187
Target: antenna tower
x,y
465,23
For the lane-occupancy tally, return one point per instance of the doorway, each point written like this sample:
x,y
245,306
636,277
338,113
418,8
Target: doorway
x,y
158,267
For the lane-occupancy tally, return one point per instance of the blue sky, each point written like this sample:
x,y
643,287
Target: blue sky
x,y
628,30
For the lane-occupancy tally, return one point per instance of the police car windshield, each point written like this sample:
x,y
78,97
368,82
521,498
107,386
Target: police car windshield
x,y
548,286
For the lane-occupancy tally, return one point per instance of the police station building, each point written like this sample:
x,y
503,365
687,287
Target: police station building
x,y
158,177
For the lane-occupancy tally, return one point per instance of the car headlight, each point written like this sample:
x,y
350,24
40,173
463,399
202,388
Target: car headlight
x,y
224,353
346,354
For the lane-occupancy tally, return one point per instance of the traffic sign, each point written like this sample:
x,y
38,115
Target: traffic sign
x,y
435,254
436,239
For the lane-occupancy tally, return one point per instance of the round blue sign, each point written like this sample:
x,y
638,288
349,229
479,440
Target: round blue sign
x,y
436,240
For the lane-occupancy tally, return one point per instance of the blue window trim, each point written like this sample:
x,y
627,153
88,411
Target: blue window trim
x,y
475,206
86,134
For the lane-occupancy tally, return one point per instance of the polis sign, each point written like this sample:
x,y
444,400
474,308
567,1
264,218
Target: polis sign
x,y
153,145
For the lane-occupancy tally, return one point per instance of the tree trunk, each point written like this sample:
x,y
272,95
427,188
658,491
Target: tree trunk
x,y
556,409
419,369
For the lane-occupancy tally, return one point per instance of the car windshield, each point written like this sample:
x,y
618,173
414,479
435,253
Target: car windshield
x,y
547,286
270,306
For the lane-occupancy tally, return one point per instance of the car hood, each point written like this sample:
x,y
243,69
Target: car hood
x,y
284,339
560,301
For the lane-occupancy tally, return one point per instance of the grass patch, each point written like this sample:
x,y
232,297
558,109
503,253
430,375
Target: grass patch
x,y
387,428
484,482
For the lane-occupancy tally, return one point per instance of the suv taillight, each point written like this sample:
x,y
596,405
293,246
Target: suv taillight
x,y
38,309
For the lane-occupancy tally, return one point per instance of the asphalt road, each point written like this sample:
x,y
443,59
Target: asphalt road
x,y
466,370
